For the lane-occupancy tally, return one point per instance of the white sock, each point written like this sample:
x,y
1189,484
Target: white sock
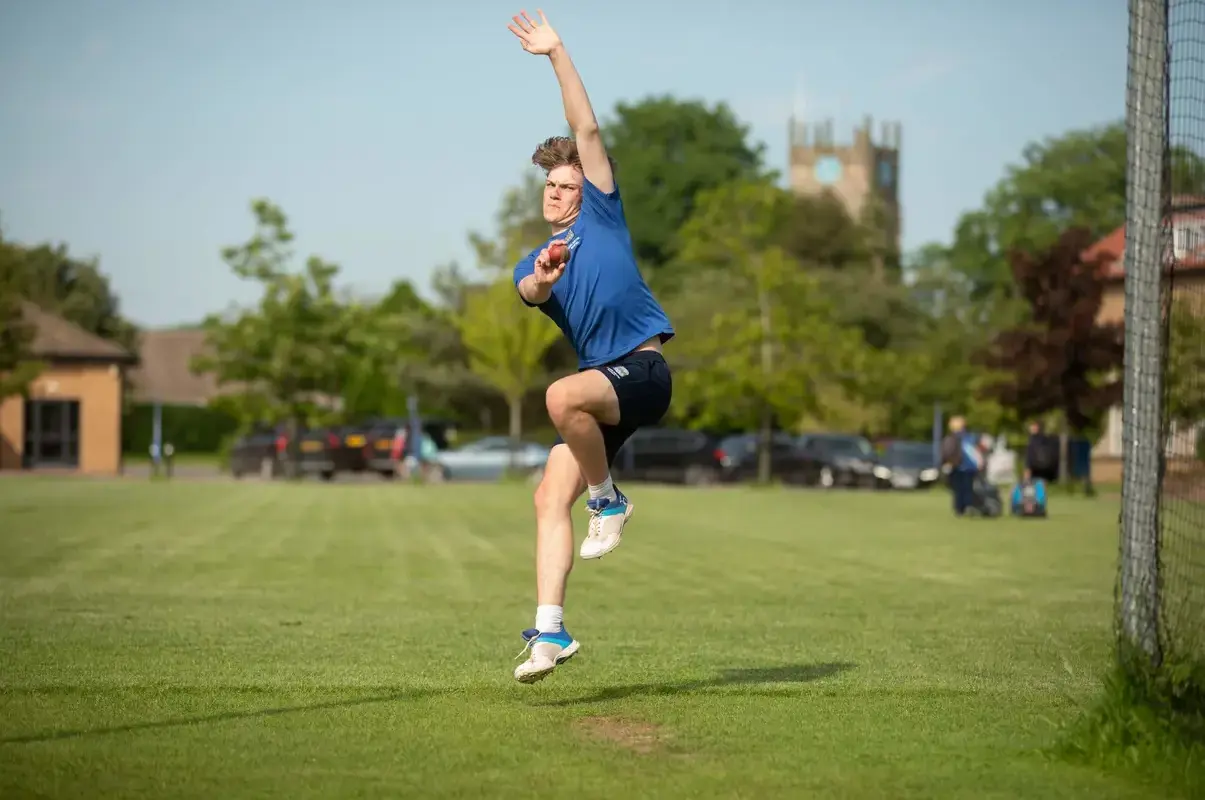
x,y
549,618
604,489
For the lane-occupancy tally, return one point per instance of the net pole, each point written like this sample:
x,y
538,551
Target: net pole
x,y
1142,445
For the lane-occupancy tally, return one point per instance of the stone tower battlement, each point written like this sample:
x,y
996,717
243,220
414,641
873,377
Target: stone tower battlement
x,y
855,170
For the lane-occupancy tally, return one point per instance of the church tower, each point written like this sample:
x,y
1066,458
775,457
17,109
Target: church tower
x,y
858,172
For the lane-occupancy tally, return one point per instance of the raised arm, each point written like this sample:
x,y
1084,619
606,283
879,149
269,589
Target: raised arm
x,y
539,38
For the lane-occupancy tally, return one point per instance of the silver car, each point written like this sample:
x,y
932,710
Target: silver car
x,y
490,458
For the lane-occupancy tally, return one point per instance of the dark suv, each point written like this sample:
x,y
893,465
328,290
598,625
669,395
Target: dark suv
x,y
669,455
789,462
845,460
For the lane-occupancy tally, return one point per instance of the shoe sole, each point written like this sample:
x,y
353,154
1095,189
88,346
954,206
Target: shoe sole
x,y
535,677
566,654
627,515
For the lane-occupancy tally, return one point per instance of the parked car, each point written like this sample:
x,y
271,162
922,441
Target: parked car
x,y
355,451
912,464
490,458
670,455
384,445
845,460
788,461
320,452
386,441
258,452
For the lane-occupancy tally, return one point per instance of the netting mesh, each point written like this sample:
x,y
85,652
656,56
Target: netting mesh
x,y
1182,495
1162,578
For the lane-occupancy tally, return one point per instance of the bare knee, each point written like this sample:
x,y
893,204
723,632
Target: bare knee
x,y
561,484
559,401
588,392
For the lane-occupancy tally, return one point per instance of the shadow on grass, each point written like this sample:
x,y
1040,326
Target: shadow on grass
x,y
756,676
180,722
732,677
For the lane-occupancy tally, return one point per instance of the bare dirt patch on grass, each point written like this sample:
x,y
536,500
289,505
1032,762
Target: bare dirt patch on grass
x,y
630,734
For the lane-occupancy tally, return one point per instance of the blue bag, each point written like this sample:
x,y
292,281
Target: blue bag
x,y
1029,499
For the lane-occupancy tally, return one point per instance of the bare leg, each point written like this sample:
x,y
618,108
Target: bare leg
x,y
577,405
560,488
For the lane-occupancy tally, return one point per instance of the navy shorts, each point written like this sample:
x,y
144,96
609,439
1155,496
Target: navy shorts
x,y
643,385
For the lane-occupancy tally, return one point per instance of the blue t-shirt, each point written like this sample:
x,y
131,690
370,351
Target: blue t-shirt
x,y
601,302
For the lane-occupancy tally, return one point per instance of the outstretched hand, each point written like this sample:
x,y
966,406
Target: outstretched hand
x,y
537,38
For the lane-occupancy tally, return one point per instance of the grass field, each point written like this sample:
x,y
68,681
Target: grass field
x,y
219,639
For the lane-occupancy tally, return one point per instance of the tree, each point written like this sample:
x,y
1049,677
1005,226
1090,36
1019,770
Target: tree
x,y
386,352
506,342
1077,179
72,288
521,218
764,340
288,353
18,367
929,333
1185,372
666,152
817,232
1063,359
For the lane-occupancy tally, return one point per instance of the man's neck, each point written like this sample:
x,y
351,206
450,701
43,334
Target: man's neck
x,y
560,227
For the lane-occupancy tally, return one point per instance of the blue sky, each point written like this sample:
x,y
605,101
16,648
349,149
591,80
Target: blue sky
x,y
138,131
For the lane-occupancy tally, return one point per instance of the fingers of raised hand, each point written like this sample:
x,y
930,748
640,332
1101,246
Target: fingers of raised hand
x,y
523,24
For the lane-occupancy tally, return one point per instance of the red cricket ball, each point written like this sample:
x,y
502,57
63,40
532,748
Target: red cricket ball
x,y
558,253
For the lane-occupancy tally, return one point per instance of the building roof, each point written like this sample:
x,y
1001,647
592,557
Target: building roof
x,y
58,339
1111,249
165,373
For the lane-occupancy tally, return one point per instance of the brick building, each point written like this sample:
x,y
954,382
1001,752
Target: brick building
x,y
1188,262
70,419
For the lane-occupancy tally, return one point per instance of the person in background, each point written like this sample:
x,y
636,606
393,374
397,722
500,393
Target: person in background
x,y
961,460
1041,455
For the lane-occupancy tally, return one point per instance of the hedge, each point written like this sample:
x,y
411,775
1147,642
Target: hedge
x,y
190,429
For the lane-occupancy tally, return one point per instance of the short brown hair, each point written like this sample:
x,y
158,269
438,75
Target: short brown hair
x,y
559,151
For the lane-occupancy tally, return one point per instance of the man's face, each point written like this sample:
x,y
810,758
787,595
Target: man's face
x,y
562,196
957,424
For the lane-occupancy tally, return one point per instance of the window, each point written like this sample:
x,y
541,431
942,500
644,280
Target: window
x,y
52,433
1187,237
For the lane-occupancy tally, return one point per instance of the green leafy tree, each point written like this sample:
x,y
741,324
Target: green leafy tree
x,y
521,220
1075,180
666,152
506,343
765,341
289,352
72,288
1185,373
931,329
818,233
18,366
385,350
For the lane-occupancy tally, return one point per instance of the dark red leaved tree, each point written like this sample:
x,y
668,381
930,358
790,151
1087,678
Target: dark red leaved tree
x,y
1062,359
